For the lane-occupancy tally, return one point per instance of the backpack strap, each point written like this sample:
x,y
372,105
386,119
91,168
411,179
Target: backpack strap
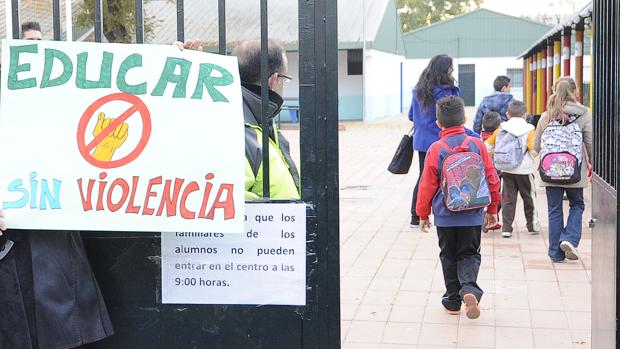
x,y
462,147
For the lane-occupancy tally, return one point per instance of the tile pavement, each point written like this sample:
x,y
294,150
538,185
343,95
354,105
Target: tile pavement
x,y
391,280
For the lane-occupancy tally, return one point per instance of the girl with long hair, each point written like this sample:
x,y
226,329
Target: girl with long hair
x,y
435,82
563,109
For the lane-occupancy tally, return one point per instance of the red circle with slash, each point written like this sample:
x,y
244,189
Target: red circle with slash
x,y
137,106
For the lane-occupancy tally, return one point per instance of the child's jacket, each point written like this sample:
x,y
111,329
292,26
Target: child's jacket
x,y
430,193
525,131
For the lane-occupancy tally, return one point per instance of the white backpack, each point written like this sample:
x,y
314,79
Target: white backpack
x,y
561,152
508,152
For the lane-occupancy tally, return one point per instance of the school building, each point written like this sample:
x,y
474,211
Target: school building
x,y
370,46
483,44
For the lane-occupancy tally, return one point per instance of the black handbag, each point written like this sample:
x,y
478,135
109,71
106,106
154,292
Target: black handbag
x,y
401,162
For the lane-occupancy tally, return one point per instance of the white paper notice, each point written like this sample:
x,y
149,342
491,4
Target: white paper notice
x,y
266,265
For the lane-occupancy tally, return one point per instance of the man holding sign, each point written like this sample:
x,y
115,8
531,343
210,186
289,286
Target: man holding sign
x,y
121,138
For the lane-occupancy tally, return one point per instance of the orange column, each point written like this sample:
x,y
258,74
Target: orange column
x,y
579,59
566,50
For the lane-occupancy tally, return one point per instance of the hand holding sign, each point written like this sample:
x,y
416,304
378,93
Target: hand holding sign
x,y
114,140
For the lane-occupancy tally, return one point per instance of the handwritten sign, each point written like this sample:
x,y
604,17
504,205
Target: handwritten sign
x,y
120,137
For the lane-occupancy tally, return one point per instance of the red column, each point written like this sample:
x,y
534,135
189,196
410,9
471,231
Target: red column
x,y
549,69
525,83
543,82
566,50
533,82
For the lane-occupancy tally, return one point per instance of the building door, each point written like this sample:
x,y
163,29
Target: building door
x,y
467,83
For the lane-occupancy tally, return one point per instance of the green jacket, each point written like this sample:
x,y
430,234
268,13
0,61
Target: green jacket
x,y
283,175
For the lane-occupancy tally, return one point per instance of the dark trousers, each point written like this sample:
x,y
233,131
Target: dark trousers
x,y
513,185
414,199
559,232
460,261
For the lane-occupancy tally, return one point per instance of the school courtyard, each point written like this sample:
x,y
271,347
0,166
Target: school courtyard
x,y
391,280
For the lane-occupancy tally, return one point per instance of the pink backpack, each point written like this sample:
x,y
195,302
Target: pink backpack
x,y
463,179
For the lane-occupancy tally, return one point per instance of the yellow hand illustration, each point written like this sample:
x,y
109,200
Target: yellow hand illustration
x,y
106,148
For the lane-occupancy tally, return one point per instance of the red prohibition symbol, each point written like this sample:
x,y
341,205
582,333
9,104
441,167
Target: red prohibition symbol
x,y
136,106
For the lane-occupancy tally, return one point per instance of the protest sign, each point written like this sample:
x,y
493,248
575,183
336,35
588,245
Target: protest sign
x,y
120,137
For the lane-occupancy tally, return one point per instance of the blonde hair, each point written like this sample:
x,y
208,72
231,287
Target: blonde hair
x,y
564,91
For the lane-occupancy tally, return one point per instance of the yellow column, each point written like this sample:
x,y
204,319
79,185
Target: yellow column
x,y
526,82
528,77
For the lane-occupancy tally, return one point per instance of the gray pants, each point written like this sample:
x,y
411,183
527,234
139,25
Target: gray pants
x,y
514,184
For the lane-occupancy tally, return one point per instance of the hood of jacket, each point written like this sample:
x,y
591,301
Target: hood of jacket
x,y
497,100
575,109
252,103
517,126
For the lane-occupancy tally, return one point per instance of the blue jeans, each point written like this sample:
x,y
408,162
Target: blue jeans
x,y
557,231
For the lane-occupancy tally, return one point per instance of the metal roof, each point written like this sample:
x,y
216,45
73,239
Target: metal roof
x,y
243,22
585,12
479,33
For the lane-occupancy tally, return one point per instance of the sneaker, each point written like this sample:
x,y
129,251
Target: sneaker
x,y
535,229
569,250
415,222
472,310
553,260
497,226
507,234
450,307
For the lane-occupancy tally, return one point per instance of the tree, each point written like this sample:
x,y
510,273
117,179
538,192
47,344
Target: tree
x,y
119,19
419,13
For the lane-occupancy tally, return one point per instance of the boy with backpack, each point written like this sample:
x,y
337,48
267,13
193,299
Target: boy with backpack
x,y
457,183
512,149
498,101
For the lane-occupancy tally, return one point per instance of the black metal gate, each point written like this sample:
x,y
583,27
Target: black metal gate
x,y
127,265
606,116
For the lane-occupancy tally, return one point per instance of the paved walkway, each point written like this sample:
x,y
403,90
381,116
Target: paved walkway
x,y
391,277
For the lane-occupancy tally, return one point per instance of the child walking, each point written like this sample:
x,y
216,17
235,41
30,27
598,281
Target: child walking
x,y
490,122
457,183
512,149
564,140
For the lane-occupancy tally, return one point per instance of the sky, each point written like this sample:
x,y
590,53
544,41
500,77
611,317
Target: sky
x,y
534,7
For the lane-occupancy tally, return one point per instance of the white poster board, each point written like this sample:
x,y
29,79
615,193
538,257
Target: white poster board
x,y
266,265
120,137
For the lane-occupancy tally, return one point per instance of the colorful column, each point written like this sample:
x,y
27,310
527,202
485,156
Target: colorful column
x,y
539,82
557,58
566,50
549,69
533,82
579,59
526,86
543,80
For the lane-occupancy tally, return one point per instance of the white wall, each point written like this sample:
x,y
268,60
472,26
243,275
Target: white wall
x,y
487,69
382,84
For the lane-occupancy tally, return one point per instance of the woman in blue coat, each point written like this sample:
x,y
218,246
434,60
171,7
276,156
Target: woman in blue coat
x,y
435,82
